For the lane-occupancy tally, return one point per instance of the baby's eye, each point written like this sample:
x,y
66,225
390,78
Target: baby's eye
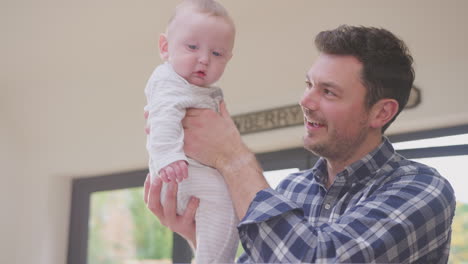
x,y
217,54
193,47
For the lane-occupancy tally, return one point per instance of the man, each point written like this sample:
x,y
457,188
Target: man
x,y
361,202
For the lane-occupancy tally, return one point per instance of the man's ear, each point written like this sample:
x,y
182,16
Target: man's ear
x,y
163,47
382,112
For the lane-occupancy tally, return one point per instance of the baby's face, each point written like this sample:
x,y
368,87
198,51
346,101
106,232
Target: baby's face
x,y
199,47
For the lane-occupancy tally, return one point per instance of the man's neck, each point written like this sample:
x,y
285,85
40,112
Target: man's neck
x,y
337,165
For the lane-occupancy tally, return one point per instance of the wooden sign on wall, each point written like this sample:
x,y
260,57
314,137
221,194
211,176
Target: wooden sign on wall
x,y
289,116
269,119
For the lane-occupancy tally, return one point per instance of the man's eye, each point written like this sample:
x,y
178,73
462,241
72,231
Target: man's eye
x,y
326,91
217,54
194,47
308,84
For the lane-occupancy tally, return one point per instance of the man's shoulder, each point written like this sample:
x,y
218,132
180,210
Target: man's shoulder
x,y
400,166
295,181
413,174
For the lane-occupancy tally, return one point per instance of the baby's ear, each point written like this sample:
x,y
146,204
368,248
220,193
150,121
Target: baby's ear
x,y
163,47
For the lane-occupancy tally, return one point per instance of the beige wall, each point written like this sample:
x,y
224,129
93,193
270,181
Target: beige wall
x,y
73,72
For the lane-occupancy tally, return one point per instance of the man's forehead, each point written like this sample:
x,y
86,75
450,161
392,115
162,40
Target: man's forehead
x,y
330,65
335,71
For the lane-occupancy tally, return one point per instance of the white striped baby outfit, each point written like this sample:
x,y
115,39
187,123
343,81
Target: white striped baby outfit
x,y
168,96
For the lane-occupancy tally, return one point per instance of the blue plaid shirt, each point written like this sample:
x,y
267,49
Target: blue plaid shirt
x,y
382,208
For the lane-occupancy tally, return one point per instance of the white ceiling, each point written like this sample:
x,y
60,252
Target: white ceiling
x,y
73,72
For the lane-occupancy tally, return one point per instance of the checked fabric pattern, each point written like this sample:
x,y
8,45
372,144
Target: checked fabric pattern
x,y
380,209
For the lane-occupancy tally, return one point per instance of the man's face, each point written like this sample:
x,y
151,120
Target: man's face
x,y
336,121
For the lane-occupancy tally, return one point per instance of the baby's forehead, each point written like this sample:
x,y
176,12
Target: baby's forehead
x,y
208,7
199,25
188,16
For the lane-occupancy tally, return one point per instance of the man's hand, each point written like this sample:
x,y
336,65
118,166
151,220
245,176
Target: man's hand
x,y
211,138
167,214
176,171
147,130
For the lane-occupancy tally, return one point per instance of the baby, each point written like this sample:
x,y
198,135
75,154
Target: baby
x,y
196,48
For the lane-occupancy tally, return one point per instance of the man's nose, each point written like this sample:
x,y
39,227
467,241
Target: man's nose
x,y
310,100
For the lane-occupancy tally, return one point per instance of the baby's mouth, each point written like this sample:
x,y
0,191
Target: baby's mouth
x,y
201,73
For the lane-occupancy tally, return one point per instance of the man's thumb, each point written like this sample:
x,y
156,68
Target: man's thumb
x,y
223,110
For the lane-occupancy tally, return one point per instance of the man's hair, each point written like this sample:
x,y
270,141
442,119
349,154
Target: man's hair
x,y
387,64
209,7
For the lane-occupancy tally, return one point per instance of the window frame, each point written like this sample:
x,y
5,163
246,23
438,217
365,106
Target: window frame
x,y
442,151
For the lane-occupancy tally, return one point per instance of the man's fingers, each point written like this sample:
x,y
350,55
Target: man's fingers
x,y
154,199
192,206
184,169
147,187
194,111
170,204
147,129
223,110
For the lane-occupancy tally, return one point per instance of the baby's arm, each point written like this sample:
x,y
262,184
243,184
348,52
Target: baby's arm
x,y
166,107
176,171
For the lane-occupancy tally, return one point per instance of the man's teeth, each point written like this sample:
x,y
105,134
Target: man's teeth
x,y
314,124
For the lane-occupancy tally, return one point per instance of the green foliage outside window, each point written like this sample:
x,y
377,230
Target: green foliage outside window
x,y
148,230
459,246
122,230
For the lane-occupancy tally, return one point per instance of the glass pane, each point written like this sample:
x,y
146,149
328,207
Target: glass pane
x,y
452,168
123,231
433,142
276,176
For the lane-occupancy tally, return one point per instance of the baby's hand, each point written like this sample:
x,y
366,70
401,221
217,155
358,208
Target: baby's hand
x,y
176,171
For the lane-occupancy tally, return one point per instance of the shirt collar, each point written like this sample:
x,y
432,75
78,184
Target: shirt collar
x,y
360,170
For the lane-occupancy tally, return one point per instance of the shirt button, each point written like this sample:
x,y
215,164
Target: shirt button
x,y
327,206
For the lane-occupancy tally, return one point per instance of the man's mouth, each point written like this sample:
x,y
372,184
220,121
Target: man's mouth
x,y
313,123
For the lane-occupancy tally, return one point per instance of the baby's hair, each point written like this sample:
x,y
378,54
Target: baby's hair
x,y
209,7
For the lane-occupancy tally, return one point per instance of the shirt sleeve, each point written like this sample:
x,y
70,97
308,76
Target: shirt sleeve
x,y
405,220
167,106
